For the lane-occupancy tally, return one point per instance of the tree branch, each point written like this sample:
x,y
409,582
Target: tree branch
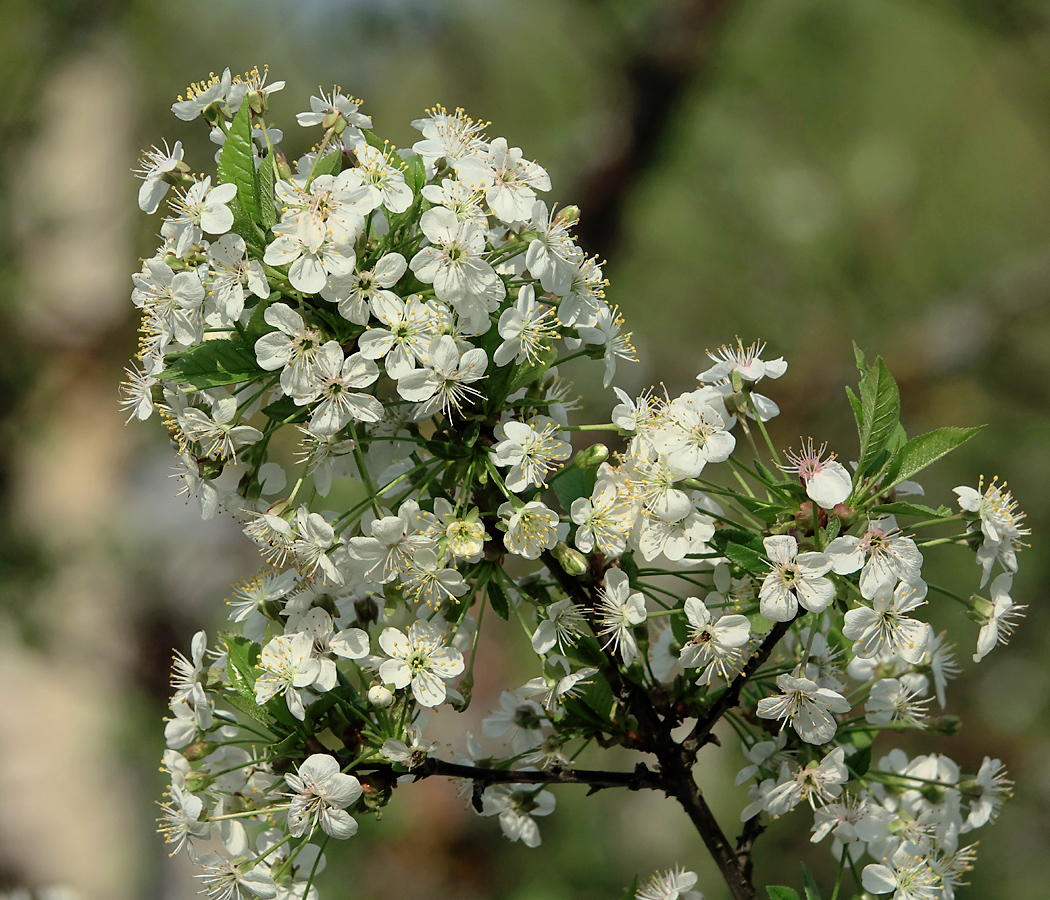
x,y
731,695
641,778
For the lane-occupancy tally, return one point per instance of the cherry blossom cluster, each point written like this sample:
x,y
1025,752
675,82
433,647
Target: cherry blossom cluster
x,y
402,319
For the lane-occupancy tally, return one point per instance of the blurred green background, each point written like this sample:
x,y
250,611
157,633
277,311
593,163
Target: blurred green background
x,y
808,172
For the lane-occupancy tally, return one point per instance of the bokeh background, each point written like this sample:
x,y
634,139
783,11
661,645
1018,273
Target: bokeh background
x,y
808,172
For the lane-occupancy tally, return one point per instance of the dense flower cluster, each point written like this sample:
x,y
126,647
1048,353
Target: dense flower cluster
x,y
405,316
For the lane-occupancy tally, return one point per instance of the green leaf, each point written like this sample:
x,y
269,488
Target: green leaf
x,y
924,450
812,888
236,165
286,410
858,413
881,408
257,324
766,511
862,363
211,364
863,737
498,599
746,558
632,889
329,164
724,536
266,179
782,893
416,174
528,372
859,762
572,485
912,509
248,706
285,747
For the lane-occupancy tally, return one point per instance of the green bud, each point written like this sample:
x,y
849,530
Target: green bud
x,y
983,608
567,215
214,113
199,750
256,101
197,780
280,163
591,457
572,561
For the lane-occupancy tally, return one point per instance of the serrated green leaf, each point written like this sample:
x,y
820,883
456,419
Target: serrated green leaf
x,y
881,408
725,536
285,747
572,485
746,558
833,529
242,655
924,450
498,599
858,413
236,165
812,888
911,509
777,892
213,363
266,179
248,706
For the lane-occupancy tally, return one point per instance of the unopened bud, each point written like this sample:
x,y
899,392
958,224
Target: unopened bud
x,y
983,608
567,215
280,164
256,101
199,750
197,780
572,561
379,696
591,457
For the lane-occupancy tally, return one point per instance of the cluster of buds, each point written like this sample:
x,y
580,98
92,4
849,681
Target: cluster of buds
x,y
405,318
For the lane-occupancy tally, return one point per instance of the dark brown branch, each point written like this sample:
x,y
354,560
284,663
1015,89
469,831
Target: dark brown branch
x,y
731,695
753,827
642,778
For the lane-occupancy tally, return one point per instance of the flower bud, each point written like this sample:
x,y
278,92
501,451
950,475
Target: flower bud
x,y
572,561
199,750
591,456
280,164
567,215
379,696
197,780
